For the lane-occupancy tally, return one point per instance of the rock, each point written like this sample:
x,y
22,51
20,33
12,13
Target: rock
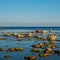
x,y
20,36
50,30
30,34
37,45
15,34
1,49
57,52
51,37
2,38
44,55
7,56
19,49
30,58
48,50
10,50
14,49
38,37
37,31
43,32
35,50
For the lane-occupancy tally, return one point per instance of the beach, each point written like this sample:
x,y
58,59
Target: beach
x,y
27,43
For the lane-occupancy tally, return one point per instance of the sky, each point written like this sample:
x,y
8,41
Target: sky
x,y
29,12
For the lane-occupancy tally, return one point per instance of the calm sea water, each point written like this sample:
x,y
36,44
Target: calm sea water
x,y
32,28
26,43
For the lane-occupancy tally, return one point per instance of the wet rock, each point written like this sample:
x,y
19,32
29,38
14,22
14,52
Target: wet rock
x,y
57,52
2,38
37,45
14,49
38,37
1,49
20,36
50,30
7,34
30,34
30,58
7,56
52,37
19,49
35,50
15,34
44,55
43,32
48,50
37,31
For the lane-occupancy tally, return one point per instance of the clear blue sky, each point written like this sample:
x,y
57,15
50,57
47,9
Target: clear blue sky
x,y
29,12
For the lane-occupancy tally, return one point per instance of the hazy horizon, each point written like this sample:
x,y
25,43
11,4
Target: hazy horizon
x,y
29,12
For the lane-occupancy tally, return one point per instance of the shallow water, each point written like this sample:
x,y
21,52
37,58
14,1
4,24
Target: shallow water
x,y
26,44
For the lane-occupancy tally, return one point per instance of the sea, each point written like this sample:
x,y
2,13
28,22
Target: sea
x,y
26,43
